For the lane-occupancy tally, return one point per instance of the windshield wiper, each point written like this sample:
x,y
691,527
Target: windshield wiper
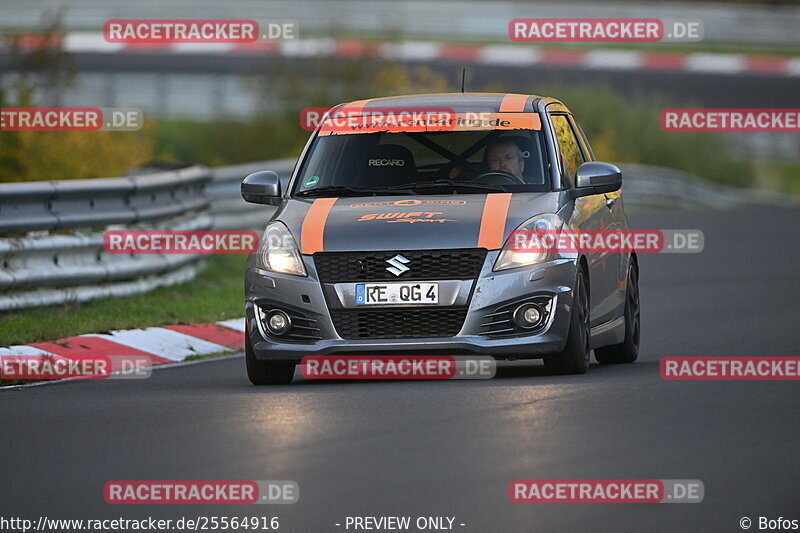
x,y
449,183
338,189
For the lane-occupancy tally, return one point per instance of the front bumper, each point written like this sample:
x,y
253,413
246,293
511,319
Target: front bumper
x,y
305,295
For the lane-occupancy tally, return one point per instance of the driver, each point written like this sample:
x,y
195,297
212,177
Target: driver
x,y
505,154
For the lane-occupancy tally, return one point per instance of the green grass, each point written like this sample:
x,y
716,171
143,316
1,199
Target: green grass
x,y
217,293
777,175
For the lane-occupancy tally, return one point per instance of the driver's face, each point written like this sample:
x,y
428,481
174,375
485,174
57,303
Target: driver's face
x,y
506,157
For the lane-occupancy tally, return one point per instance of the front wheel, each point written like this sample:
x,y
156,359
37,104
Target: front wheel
x,y
575,357
267,372
628,350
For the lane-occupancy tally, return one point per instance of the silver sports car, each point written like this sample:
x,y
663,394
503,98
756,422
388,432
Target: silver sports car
x,y
393,236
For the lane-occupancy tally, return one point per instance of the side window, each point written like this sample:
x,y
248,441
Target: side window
x,y
587,148
570,148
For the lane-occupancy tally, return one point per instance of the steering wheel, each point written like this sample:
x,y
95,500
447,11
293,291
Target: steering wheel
x,y
502,175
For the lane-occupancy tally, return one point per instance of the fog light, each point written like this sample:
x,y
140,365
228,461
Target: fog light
x,y
527,315
278,322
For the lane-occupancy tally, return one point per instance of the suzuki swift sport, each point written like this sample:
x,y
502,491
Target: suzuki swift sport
x,y
393,237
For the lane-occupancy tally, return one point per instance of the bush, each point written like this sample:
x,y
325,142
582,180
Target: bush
x,y
58,155
278,134
625,130
229,142
621,129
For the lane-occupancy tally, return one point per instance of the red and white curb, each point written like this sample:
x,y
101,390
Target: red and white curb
x,y
518,54
168,344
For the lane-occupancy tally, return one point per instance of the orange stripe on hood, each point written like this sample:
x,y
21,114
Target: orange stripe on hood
x,y
493,221
513,103
313,231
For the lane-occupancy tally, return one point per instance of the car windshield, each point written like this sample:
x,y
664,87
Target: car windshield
x,y
427,162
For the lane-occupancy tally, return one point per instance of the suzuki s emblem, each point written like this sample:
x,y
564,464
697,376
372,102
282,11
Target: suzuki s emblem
x,y
398,263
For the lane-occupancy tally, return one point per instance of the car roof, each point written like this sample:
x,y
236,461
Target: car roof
x,y
457,102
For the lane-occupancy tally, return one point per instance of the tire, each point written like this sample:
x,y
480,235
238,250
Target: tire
x,y
267,372
628,350
574,359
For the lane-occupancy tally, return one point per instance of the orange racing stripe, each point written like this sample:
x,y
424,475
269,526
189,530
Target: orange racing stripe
x,y
313,230
493,221
513,103
353,108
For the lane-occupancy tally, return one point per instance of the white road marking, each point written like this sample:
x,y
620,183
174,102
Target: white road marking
x,y
233,323
719,63
506,54
89,42
411,51
23,350
165,343
613,59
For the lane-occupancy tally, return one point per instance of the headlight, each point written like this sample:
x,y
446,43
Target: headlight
x,y
278,251
514,253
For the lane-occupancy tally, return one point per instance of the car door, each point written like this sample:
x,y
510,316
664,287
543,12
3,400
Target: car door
x,y
619,221
590,213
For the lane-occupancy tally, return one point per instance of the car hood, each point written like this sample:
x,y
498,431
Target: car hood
x,y
424,222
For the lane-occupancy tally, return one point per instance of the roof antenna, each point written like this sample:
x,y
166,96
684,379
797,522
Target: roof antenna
x,y
463,78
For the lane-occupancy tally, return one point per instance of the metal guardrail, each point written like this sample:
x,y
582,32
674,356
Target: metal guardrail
x,y
68,204
51,233
52,252
648,186
227,207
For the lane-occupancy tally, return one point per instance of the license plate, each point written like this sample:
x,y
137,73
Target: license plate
x,y
397,293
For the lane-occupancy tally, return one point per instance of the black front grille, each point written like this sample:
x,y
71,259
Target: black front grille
x,y
336,267
398,323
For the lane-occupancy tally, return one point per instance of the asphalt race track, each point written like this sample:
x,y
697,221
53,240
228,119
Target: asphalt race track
x,y
450,448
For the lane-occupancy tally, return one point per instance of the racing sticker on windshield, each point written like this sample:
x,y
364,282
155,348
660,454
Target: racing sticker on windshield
x,y
425,121
409,202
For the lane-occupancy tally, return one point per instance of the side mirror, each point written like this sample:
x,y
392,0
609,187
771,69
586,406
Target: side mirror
x,y
595,177
262,187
